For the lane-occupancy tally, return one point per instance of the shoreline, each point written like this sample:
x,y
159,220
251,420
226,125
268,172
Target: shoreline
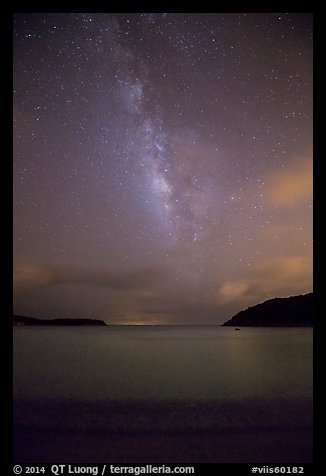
x,y
247,431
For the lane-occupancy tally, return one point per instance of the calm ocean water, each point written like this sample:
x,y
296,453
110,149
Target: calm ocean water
x,y
162,362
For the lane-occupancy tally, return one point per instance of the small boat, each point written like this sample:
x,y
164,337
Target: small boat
x,y
237,329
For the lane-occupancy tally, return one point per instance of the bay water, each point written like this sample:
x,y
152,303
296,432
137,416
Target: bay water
x,y
162,362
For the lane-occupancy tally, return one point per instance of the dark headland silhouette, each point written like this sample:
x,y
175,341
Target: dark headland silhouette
x,y
294,311
32,321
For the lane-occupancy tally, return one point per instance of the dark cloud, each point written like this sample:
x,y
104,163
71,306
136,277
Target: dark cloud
x,y
46,275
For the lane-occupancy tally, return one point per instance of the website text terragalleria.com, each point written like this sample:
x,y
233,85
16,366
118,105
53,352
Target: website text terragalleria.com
x,y
58,469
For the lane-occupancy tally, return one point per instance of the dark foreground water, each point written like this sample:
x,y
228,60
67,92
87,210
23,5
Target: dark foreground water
x,y
162,394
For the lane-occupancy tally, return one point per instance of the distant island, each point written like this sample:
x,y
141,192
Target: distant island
x,y
294,311
32,321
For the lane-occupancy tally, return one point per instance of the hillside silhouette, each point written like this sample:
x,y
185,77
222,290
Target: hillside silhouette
x,y
294,311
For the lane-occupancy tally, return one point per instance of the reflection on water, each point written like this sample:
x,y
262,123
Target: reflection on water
x,y
162,362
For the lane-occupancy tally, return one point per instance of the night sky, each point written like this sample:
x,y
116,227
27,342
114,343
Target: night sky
x,y
162,164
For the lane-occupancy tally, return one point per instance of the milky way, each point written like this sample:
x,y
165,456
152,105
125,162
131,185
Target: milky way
x,y
162,164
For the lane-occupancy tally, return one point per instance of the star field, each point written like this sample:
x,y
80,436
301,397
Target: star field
x,y
162,164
